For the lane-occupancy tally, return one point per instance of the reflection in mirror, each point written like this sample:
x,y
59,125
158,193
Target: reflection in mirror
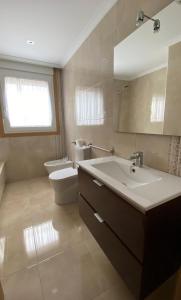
x,y
147,70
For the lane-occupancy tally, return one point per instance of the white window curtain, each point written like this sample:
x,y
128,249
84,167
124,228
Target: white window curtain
x,y
157,109
27,103
89,106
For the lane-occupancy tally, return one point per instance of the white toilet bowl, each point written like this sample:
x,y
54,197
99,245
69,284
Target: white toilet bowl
x,y
64,178
65,184
58,164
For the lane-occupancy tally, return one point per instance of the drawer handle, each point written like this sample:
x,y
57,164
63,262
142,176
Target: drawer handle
x,y
98,182
96,215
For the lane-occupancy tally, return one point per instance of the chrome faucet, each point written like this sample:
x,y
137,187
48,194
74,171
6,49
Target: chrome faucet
x,y
137,158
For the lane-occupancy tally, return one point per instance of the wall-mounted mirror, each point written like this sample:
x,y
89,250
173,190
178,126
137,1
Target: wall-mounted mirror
x,y
147,72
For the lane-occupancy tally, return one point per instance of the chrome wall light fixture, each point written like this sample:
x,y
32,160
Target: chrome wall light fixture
x,y
140,18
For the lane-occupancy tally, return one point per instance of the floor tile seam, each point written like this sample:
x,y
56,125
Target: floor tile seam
x,y
24,268
41,282
39,273
28,267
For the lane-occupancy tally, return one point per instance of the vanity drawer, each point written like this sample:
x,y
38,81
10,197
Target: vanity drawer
x,y
128,267
126,221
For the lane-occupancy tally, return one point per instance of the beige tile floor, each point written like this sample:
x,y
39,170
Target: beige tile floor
x,y
46,251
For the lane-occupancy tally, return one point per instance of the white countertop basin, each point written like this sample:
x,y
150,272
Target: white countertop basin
x,y
144,188
126,174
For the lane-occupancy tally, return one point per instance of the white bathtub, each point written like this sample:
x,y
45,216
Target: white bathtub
x,y
2,178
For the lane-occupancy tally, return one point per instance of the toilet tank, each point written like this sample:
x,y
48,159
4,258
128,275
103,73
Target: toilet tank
x,y
82,152
58,164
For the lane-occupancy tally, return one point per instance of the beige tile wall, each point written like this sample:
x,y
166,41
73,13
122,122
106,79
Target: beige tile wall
x,y
92,65
25,156
172,122
135,103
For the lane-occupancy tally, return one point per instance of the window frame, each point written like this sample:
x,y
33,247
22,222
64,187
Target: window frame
x,y
7,130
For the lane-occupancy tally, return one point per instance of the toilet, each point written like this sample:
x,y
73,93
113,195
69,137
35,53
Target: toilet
x,y
58,164
65,180
65,184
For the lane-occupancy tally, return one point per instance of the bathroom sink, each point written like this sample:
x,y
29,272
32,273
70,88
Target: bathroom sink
x,y
143,187
126,174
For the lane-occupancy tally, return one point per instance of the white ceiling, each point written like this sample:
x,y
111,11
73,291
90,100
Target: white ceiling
x,y
144,51
58,27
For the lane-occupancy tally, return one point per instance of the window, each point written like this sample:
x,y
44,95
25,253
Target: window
x,y
89,106
28,104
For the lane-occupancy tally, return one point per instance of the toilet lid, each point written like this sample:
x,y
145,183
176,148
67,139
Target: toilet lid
x,y
62,174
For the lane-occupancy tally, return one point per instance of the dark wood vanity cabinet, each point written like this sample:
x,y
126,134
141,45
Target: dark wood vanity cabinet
x,y
145,248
